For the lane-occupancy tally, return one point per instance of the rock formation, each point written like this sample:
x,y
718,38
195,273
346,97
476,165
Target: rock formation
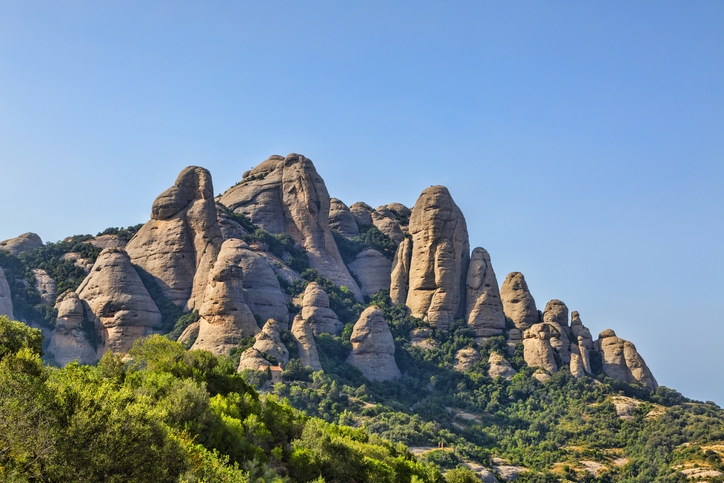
x,y
621,360
484,310
400,276
500,367
556,316
286,195
268,343
372,269
190,334
362,213
518,303
341,219
581,346
180,243
373,349
229,228
225,315
108,241
538,351
6,301
252,359
465,358
118,303
316,311
22,243
307,348
68,342
45,285
515,337
387,222
422,337
438,262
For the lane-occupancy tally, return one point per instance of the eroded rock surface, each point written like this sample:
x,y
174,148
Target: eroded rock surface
x,y
518,303
373,349
68,342
362,213
117,302
6,301
286,195
500,367
556,315
581,346
22,243
400,276
180,243
45,285
538,351
316,311
373,271
622,361
229,228
307,348
484,310
341,219
269,342
388,223
465,358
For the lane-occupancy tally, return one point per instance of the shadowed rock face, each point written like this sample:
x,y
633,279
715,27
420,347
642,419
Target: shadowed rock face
x,y
45,285
373,349
538,351
68,342
6,302
372,269
307,348
116,300
22,243
225,315
622,361
179,244
286,195
439,259
484,310
341,219
518,303
316,311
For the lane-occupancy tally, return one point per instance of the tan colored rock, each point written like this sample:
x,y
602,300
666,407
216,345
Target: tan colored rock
x,y
190,334
107,241
45,285
483,310
518,303
400,276
403,212
316,311
538,351
22,243
373,270
118,303
362,213
465,358
78,261
386,221
225,315
180,243
500,367
68,342
252,359
622,361
6,301
229,228
422,337
270,343
373,349
515,337
581,346
307,348
556,315
286,195
341,219
440,257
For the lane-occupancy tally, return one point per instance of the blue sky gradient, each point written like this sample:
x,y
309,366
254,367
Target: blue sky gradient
x,y
584,141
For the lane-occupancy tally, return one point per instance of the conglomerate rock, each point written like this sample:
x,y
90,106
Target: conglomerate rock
x,y
373,349
484,310
23,243
518,303
621,360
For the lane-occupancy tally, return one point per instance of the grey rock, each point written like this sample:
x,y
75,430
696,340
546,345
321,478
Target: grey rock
x,y
22,243
373,270
341,219
373,349
484,309
518,303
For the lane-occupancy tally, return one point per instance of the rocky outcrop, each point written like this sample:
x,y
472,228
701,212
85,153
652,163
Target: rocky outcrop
x,y
581,346
500,367
400,276
621,360
373,349
229,228
439,259
515,337
268,344
22,243
537,349
387,222
225,315
341,219
181,242
465,358
107,241
362,213
372,269
45,285
316,311
69,342
306,347
422,337
252,359
483,310
556,316
117,302
6,301
286,195
190,334
518,303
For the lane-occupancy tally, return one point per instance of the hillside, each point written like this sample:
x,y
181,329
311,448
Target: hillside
x,y
272,310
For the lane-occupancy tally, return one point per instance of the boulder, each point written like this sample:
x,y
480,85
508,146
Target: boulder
x,y
225,315
270,343
621,360
316,311
362,213
556,315
386,221
45,285
422,337
500,367
286,195
22,243
180,243
341,219
373,349
117,302
307,348
373,270
252,359
483,310
518,303
538,351
440,257
465,358
190,334
229,228
68,342
6,301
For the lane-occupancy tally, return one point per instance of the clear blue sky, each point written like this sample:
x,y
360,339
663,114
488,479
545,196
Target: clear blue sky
x,y
584,141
